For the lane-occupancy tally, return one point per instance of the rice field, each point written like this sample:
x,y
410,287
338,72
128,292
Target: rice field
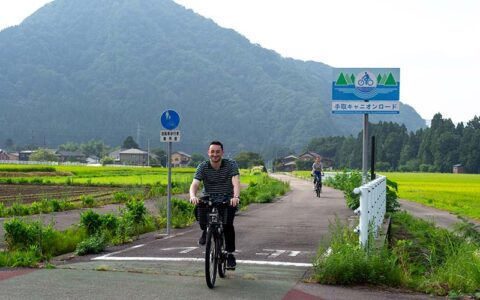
x,y
457,193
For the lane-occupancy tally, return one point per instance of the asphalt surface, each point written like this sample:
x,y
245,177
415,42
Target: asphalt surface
x,y
276,244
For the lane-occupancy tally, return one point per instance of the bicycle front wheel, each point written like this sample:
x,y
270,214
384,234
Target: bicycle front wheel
x,y
222,261
211,259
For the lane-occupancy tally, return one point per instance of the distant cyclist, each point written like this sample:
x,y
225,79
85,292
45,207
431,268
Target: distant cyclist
x,y
317,170
219,176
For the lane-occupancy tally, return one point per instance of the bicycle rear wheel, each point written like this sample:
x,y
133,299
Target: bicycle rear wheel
x,y
222,261
211,259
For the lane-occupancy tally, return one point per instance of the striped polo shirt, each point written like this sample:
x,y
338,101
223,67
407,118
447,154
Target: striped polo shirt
x,y
217,181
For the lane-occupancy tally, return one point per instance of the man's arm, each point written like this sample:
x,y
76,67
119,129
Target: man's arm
x,y
236,190
193,191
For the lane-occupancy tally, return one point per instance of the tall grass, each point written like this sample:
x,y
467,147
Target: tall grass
x,y
419,256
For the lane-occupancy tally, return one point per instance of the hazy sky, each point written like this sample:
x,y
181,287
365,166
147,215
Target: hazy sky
x,y
434,42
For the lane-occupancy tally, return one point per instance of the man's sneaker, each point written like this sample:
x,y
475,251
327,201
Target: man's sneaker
x,y
202,240
231,262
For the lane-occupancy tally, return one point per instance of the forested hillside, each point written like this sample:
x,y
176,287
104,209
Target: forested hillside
x,y
107,69
433,149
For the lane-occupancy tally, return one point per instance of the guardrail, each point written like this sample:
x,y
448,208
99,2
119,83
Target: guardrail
x,y
373,200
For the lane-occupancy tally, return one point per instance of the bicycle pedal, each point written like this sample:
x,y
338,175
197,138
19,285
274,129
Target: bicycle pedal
x,y
230,269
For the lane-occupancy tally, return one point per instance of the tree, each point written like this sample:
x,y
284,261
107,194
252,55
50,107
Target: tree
x,y
69,146
43,155
95,147
196,159
129,143
247,160
161,157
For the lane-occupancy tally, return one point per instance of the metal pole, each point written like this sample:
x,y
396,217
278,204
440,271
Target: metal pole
x,y
365,150
169,195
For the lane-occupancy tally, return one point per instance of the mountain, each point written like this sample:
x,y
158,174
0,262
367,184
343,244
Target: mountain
x,y
107,69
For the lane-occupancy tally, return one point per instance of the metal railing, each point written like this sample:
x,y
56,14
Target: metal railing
x,y
373,200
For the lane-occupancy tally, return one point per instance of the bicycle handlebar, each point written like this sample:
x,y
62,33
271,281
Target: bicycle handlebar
x,y
215,199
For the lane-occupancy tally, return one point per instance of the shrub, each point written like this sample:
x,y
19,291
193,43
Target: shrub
x,y
109,222
121,197
182,213
136,211
20,235
17,209
91,245
87,201
349,263
91,221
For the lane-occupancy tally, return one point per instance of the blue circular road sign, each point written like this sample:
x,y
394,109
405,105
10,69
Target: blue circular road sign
x,y
170,119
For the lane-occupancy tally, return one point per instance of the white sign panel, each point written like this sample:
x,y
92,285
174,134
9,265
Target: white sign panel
x,y
363,107
170,136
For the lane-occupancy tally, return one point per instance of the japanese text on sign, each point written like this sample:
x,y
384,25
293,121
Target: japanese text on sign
x,y
362,107
170,136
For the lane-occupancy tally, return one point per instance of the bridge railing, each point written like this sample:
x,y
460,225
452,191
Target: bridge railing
x,y
373,201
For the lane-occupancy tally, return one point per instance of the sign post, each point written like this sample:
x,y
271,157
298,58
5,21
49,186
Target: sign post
x,y
170,120
365,91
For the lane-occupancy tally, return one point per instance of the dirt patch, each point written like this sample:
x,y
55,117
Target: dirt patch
x,y
34,174
28,193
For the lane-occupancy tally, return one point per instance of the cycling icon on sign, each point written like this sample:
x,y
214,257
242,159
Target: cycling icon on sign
x,y
366,81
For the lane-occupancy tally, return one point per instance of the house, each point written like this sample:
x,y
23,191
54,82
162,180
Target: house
x,y
13,156
327,163
133,157
180,159
287,163
4,155
309,155
93,160
64,156
457,169
116,155
25,155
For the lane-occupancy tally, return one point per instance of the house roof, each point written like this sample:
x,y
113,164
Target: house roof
x,y
290,157
309,153
70,153
132,151
182,153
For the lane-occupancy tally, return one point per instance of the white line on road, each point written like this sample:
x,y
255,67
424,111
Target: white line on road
x,y
192,259
184,249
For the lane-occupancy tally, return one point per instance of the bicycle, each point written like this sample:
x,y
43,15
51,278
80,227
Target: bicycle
x,y
318,184
215,253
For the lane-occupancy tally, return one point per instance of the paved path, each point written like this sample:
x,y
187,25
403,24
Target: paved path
x,y
276,244
440,217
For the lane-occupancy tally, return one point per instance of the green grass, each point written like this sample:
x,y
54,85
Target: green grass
x,y
109,175
457,193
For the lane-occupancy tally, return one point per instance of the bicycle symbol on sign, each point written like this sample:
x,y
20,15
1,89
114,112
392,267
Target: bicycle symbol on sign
x,y
365,80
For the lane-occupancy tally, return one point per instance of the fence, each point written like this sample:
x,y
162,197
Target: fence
x,y
373,200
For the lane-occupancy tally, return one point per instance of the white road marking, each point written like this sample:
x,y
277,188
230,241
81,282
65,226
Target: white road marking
x,y
294,253
184,249
124,250
192,259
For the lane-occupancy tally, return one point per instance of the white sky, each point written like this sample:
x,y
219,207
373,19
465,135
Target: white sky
x,y
435,43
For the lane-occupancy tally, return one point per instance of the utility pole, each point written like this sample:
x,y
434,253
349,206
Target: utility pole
x,y
138,134
148,152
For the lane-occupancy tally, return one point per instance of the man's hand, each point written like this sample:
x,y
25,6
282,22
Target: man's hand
x,y
234,201
194,200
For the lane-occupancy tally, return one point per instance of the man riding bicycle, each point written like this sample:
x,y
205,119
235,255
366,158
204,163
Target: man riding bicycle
x,y
219,176
317,169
